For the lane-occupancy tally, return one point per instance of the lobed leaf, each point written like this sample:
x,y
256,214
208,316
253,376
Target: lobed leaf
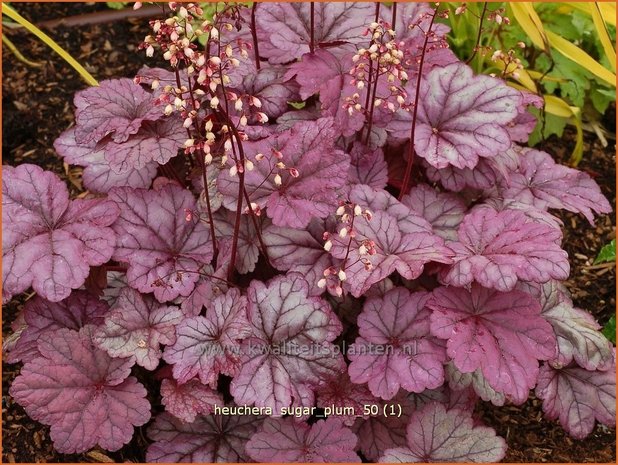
x,y
496,249
209,439
444,211
42,316
48,241
577,332
543,183
116,107
501,333
435,434
164,252
98,176
87,397
578,397
208,345
136,326
186,401
284,440
287,27
395,347
309,148
290,349
462,117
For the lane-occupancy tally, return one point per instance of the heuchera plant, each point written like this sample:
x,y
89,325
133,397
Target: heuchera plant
x,y
320,207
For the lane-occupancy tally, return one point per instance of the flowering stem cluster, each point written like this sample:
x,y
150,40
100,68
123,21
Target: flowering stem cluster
x,y
347,214
383,58
421,61
201,96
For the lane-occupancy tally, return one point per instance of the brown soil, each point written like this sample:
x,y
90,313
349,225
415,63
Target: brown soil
x,y
37,106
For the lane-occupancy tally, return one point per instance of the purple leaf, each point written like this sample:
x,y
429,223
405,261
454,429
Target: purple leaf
x,y
300,251
163,250
463,117
395,249
412,19
288,27
206,289
502,333
578,397
577,332
439,435
339,393
285,440
543,183
533,214
146,76
49,242
328,74
209,439
116,281
42,316
268,85
248,243
307,147
498,248
135,327
461,381
381,200
368,167
87,397
378,433
395,347
116,106
186,401
465,399
209,345
97,175
484,176
525,122
444,211
156,141
290,349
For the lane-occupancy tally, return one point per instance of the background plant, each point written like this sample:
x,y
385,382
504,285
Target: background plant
x,y
562,51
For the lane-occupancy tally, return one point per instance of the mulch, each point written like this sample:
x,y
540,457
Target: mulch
x,y
37,107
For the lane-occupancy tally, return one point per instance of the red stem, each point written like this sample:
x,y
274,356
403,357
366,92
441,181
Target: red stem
x,y
311,42
368,101
406,178
256,50
373,99
241,177
202,162
347,253
394,17
478,37
244,190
